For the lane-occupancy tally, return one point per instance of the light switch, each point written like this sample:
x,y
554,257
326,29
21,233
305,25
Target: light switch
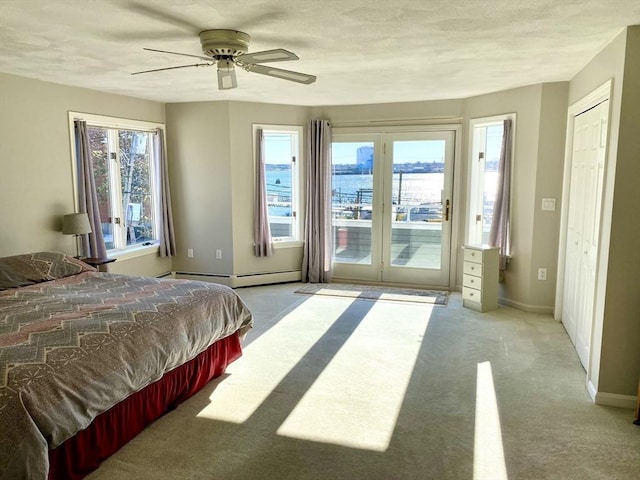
x,y
549,204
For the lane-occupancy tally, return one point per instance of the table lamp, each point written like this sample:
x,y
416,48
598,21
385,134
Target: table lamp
x,y
76,224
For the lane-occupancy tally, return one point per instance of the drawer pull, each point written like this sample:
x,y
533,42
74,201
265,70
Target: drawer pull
x,y
471,294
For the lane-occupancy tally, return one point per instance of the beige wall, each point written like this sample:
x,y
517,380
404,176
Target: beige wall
x,y
241,119
210,148
200,176
537,171
211,171
525,102
35,159
549,175
615,353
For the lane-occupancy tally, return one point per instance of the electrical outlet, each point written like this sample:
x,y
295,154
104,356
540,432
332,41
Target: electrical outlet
x,y
542,274
549,204
190,253
218,254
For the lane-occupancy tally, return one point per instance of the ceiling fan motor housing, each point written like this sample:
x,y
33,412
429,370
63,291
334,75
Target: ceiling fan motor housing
x,y
217,43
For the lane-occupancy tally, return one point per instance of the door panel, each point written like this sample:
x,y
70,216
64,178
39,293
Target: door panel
x,y
354,197
583,226
416,232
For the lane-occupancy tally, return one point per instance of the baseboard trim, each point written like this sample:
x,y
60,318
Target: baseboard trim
x,y
611,399
265,278
248,280
204,277
526,307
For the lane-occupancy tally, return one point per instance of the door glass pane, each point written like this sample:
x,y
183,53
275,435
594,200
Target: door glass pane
x,y
135,178
98,144
352,201
416,224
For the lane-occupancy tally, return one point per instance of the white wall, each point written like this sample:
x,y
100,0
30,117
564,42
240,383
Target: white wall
x,y
35,160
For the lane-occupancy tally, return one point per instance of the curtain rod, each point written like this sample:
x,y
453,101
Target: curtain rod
x,y
398,121
119,126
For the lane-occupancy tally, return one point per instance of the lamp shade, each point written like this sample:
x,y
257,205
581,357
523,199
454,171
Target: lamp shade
x,y
76,224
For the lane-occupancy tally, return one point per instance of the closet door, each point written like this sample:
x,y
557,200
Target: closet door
x,y
583,226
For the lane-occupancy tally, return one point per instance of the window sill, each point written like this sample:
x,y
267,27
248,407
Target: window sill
x,y
288,244
133,252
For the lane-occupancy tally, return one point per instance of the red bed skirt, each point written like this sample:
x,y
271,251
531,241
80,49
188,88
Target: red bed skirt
x,y
83,453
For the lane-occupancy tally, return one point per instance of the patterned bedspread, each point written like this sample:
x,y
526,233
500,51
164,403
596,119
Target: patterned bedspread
x,y
72,348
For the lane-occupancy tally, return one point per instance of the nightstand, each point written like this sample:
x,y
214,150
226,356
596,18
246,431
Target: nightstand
x,y
99,263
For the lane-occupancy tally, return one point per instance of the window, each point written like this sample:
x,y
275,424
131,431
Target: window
x,y
126,180
486,138
282,152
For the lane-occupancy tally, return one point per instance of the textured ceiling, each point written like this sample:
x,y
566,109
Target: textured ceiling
x,y
370,51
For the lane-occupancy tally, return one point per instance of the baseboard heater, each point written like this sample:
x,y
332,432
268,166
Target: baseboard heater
x,y
246,280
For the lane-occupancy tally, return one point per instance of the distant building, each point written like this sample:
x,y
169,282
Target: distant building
x,y
364,159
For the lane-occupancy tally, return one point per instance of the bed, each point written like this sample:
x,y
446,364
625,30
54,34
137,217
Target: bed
x,y
88,359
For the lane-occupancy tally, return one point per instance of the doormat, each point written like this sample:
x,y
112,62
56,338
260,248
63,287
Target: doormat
x,y
373,292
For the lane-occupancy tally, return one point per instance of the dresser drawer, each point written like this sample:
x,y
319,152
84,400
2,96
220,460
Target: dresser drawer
x,y
471,255
471,268
472,295
471,281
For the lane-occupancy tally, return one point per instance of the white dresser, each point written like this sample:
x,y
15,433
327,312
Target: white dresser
x,y
480,277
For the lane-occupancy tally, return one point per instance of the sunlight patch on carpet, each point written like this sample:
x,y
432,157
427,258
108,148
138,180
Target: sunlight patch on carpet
x,y
266,361
488,451
372,292
357,403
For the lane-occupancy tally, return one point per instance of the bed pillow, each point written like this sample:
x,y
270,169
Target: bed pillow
x,y
40,267
10,279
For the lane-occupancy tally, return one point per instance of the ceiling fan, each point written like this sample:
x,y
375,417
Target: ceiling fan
x,y
228,49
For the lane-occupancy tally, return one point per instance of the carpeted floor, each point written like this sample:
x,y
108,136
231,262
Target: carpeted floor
x,y
371,292
330,388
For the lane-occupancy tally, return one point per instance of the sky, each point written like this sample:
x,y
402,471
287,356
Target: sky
x,y
278,151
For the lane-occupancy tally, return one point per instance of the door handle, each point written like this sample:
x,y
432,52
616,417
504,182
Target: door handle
x,y
446,210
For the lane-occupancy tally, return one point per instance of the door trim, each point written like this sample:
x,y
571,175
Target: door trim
x,y
603,93
457,209
594,98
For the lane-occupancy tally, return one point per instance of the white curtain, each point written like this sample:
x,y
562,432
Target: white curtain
x,y
263,243
167,233
92,243
316,262
499,235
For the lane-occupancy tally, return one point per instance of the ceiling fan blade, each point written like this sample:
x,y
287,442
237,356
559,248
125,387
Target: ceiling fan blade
x,y
182,54
226,75
275,55
155,13
259,19
173,68
283,74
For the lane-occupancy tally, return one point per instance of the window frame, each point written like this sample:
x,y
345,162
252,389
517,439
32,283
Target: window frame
x,y
476,166
114,124
297,131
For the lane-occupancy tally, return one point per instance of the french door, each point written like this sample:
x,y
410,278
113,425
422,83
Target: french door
x,y
391,198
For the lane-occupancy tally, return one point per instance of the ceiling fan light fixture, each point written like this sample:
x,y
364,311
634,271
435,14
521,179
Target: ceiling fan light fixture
x,y
226,75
